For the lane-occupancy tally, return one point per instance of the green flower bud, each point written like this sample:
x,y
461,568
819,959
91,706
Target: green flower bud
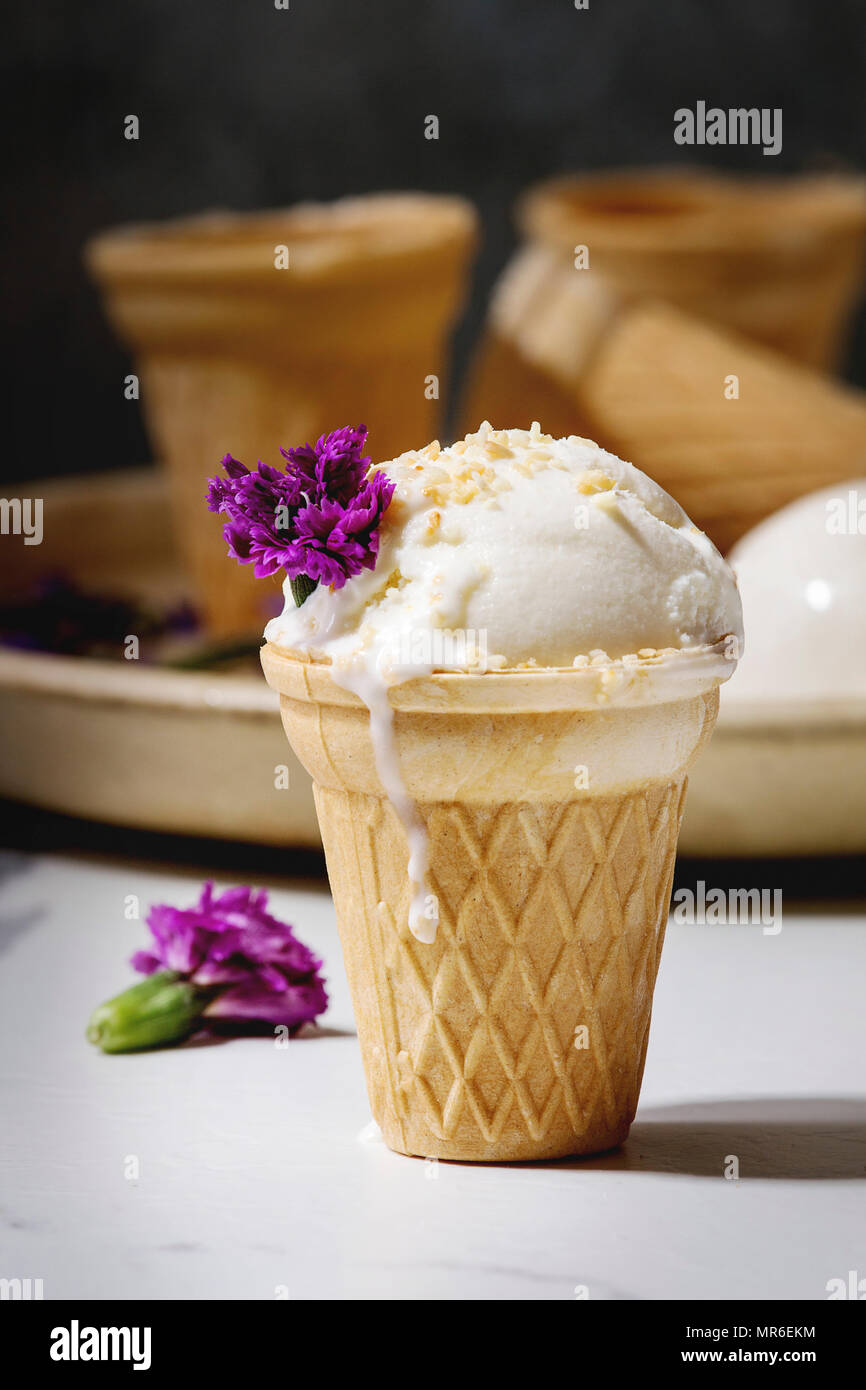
x,y
159,1010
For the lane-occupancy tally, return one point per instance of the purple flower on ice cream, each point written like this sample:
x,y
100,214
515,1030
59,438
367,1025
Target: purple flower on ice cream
x,y
249,965
335,467
339,540
319,520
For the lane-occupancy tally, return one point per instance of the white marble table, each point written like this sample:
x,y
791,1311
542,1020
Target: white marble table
x,y
253,1183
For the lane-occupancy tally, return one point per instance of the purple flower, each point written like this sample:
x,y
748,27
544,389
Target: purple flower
x,y
337,542
335,468
319,520
260,507
250,965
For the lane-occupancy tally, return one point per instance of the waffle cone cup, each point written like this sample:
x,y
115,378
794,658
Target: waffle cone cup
x,y
544,324
691,276
659,391
778,260
731,429
521,1031
237,354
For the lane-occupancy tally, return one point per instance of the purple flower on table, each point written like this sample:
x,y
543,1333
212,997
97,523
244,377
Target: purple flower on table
x,y
251,965
319,521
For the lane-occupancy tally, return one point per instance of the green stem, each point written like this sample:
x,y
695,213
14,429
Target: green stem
x,y
302,587
159,1010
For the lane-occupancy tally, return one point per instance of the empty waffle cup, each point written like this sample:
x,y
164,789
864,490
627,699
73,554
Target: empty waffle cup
x,y
732,430
777,261
255,331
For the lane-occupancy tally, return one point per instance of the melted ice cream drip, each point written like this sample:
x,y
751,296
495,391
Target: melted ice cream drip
x,y
365,680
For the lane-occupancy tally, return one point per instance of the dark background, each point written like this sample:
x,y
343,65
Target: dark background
x,y
245,106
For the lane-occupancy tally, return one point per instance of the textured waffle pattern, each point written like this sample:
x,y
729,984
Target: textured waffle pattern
x,y
551,920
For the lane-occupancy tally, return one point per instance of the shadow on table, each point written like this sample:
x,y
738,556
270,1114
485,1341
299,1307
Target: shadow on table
x,y
798,1137
231,1032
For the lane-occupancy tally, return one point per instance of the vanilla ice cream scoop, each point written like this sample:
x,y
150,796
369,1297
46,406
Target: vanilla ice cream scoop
x,y
511,548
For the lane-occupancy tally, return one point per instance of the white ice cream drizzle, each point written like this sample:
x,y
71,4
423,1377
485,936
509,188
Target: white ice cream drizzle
x,y
363,677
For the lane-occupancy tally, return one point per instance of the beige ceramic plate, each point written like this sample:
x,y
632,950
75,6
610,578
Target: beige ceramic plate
x,y
780,778
127,743
196,753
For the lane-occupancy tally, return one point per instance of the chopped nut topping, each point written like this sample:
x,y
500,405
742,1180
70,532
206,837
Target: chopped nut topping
x,y
594,480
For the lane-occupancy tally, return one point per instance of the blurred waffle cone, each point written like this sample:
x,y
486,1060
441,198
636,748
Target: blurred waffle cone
x,y
778,261
236,355
552,902
543,326
659,391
